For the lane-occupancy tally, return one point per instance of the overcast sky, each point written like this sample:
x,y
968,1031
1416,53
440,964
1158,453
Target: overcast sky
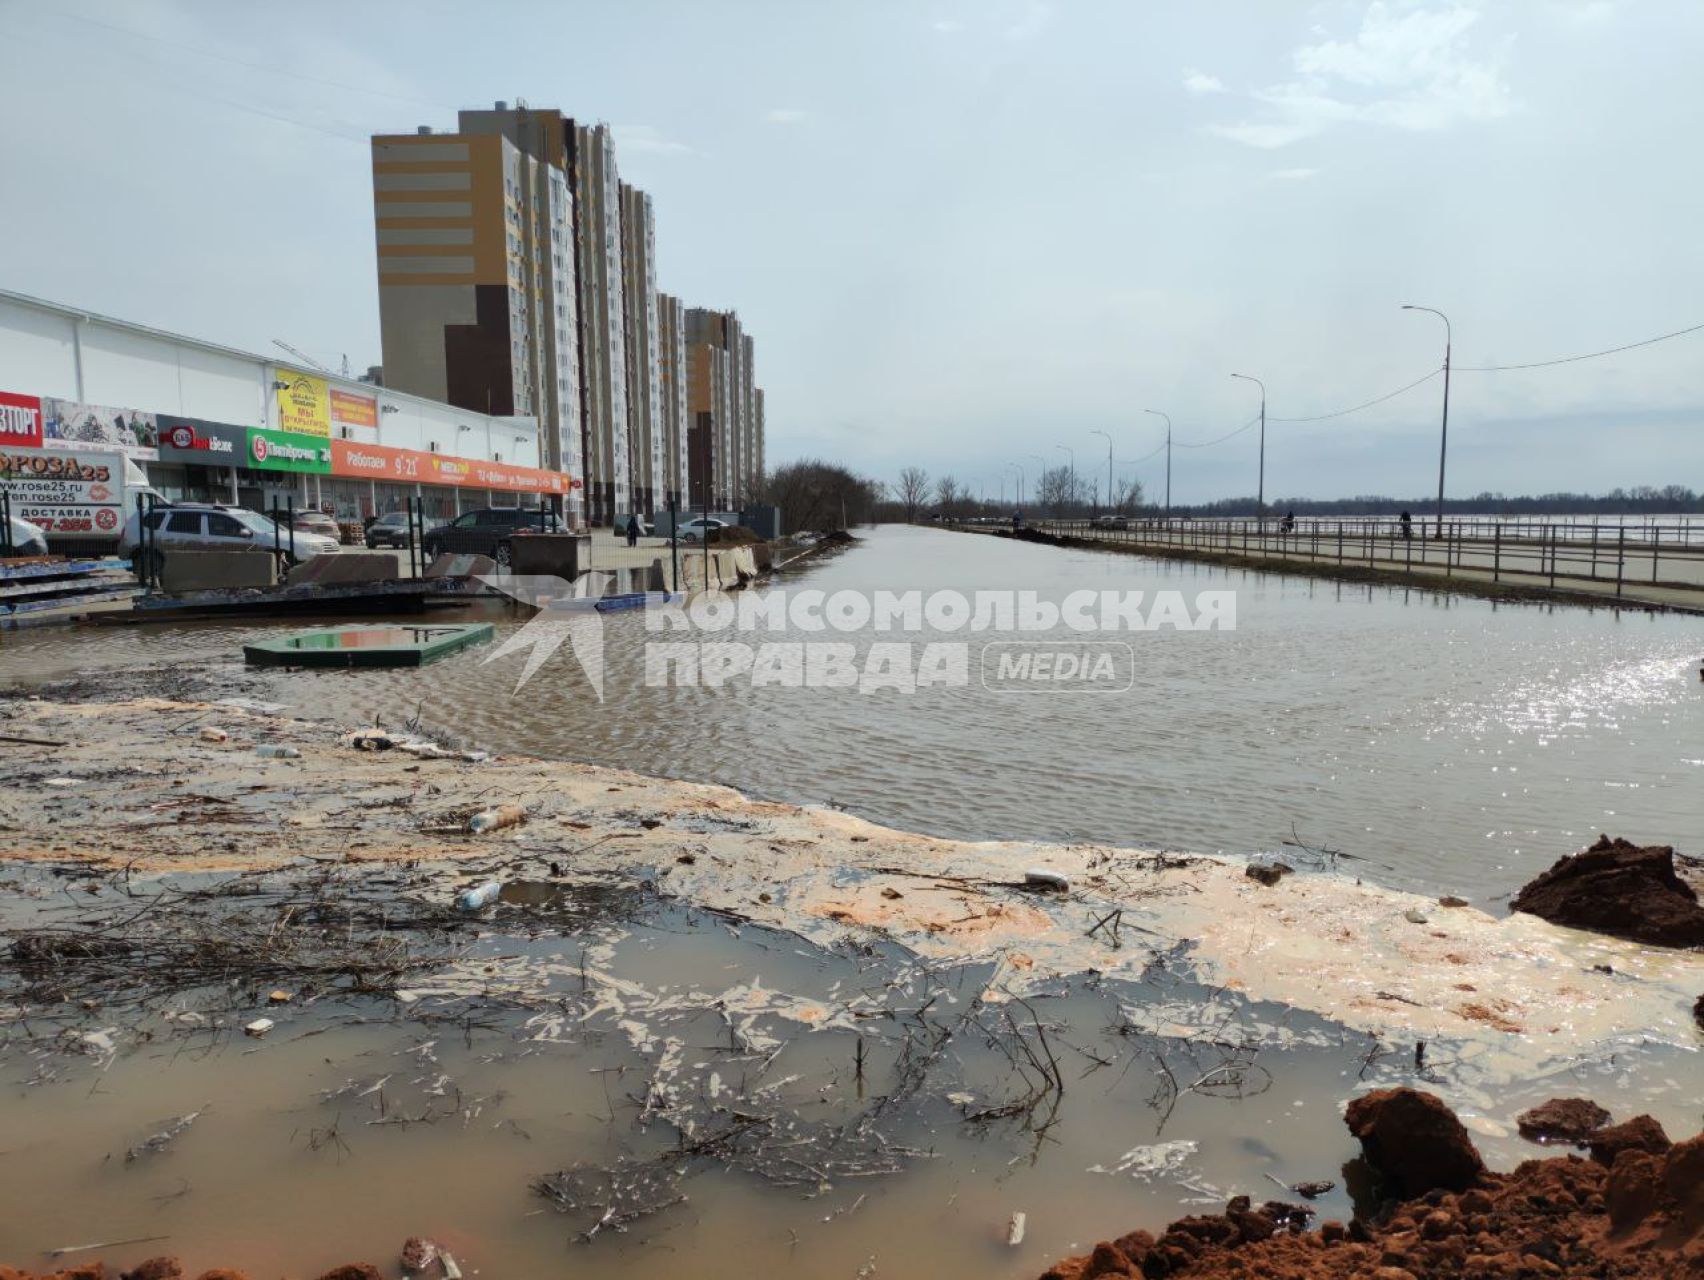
x,y
964,232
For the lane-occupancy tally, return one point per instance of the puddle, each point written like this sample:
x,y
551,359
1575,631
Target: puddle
x,y
590,1076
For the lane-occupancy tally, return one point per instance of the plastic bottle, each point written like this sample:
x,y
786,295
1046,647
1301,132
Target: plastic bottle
x,y
480,896
496,819
273,751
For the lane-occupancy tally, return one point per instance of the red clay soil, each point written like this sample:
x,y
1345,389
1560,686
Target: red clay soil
x,y
171,1269
1621,889
1642,1219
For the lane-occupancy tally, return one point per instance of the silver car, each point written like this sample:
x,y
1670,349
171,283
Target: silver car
x,y
201,526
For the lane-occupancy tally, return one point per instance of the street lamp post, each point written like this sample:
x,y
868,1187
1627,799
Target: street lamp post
x,y
1108,439
1260,494
1071,453
1158,414
1444,431
1020,472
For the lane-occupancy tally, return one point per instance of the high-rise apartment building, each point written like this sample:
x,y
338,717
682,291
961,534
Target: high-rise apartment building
x,y
725,453
644,410
477,288
603,345
672,377
517,276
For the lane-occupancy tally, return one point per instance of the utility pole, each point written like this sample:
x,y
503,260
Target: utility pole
x,y
1444,433
1260,494
1158,414
1108,466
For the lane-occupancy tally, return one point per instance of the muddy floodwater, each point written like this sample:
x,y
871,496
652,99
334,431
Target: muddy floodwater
x,y
1449,745
599,1074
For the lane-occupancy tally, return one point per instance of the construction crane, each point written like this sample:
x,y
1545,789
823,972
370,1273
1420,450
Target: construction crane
x,y
308,360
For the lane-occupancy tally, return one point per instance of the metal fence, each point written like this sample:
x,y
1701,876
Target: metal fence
x,y
1558,553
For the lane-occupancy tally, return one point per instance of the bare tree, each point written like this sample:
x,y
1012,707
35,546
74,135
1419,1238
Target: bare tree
x,y
947,495
1056,490
912,491
1127,496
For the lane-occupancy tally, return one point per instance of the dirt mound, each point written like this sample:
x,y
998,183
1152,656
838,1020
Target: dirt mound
x,y
168,1268
734,535
1414,1142
1562,1120
1621,889
1643,1219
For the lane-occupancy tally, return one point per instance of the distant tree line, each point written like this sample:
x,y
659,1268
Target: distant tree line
x,y
1671,499
1057,492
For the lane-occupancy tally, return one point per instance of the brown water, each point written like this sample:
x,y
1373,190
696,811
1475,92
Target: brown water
x,y
1451,745
356,1123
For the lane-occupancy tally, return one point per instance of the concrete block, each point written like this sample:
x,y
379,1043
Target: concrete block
x,y
347,566
566,555
183,570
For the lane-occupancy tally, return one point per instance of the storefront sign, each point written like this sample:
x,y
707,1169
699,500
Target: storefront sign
x,y
199,443
69,425
351,410
70,494
20,420
413,466
286,451
304,403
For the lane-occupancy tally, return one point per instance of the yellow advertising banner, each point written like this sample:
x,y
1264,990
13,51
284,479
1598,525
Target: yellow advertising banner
x,y
304,404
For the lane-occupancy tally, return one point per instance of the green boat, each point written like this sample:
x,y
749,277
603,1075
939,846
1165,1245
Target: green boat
x,y
381,645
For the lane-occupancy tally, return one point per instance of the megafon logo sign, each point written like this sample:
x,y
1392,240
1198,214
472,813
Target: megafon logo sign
x,y
20,420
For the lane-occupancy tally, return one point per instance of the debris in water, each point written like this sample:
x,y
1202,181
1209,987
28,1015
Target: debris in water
x,y
1015,1230
277,751
212,734
1562,1120
1042,878
418,1254
1450,900
479,897
1314,1190
507,815
1268,873
1415,916
163,1139
259,1027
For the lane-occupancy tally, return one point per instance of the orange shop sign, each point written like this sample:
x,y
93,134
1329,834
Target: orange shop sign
x,y
351,410
414,466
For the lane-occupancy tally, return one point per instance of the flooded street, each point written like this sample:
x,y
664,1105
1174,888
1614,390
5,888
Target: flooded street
x,y
656,1055
1449,745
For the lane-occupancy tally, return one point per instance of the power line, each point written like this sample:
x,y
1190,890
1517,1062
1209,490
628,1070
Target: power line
x,y
1340,413
1590,355
1202,444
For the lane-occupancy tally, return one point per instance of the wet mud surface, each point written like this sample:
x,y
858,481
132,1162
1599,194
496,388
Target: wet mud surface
x,y
786,1038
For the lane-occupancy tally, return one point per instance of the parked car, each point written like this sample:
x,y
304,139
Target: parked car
x,y
307,521
208,526
389,530
695,530
27,539
489,531
1109,522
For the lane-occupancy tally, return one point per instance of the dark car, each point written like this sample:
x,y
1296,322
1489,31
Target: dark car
x,y
389,530
488,532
